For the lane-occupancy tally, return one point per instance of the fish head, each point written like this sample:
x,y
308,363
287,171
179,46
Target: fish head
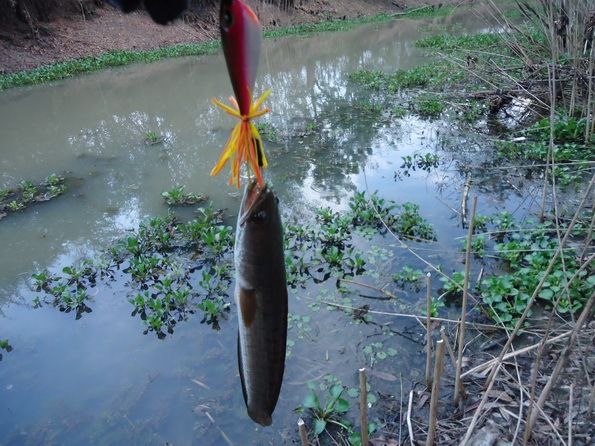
x,y
258,206
241,37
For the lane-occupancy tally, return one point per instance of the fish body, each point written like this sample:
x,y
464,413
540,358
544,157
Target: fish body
x,y
241,37
261,298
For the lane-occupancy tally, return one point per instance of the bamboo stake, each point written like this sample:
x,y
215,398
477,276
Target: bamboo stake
x,y
466,188
303,433
363,402
438,365
429,331
451,352
570,402
409,426
459,390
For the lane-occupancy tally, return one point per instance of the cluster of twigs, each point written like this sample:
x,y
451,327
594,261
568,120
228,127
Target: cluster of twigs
x,y
543,393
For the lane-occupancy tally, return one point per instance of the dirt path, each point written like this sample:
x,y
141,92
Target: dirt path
x,y
108,29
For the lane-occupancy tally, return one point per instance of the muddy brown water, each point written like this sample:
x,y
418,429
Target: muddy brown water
x,y
99,380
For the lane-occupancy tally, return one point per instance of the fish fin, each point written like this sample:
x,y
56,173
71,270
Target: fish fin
x,y
248,306
241,368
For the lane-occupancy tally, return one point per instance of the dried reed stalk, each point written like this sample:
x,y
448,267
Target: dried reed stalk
x,y
303,433
429,331
438,365
459,390
363,402
497,365
451,352
551,382
409,426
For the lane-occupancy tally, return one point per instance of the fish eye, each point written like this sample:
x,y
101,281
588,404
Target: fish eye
x,y
226,19
260,217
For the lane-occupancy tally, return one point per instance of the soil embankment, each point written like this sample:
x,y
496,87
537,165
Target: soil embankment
x,y
30,40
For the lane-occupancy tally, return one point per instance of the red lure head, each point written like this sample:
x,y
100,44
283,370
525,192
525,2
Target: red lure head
x,y
241,36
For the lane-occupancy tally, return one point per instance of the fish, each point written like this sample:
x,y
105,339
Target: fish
x,y
261,297
241,38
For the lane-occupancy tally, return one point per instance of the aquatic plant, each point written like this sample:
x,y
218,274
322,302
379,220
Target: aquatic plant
x,y
214,310
27,193
4,345
428,106
152,138
270,132
328,412
426,162
332,411
176,196
526,251
467,42
377,351
408,275
115,58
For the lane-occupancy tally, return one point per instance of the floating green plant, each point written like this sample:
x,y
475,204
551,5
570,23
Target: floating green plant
x,y
177,196
4,345
27,193
152,138
378,352
332,411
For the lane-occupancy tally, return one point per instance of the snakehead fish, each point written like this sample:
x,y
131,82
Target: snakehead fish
x,y
241,37
261,298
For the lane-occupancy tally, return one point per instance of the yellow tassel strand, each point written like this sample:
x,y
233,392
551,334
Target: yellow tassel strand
x,y
244,145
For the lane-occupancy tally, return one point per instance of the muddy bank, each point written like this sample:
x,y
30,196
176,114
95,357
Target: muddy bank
x,y
97,29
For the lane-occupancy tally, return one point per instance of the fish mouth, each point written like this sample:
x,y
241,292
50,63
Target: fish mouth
x,y
254,196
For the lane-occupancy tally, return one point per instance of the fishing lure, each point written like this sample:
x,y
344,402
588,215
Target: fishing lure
x,y
241,37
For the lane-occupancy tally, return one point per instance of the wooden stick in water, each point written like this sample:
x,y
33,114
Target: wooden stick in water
x,y
409,427
363,402
429,331
435,391
459,390
451,352
303,433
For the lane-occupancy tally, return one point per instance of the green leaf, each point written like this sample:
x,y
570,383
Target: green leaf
x,y
353,392
355,439
319,426
371,398
546,294
342,405
310,401
336,391
381,355
391,351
